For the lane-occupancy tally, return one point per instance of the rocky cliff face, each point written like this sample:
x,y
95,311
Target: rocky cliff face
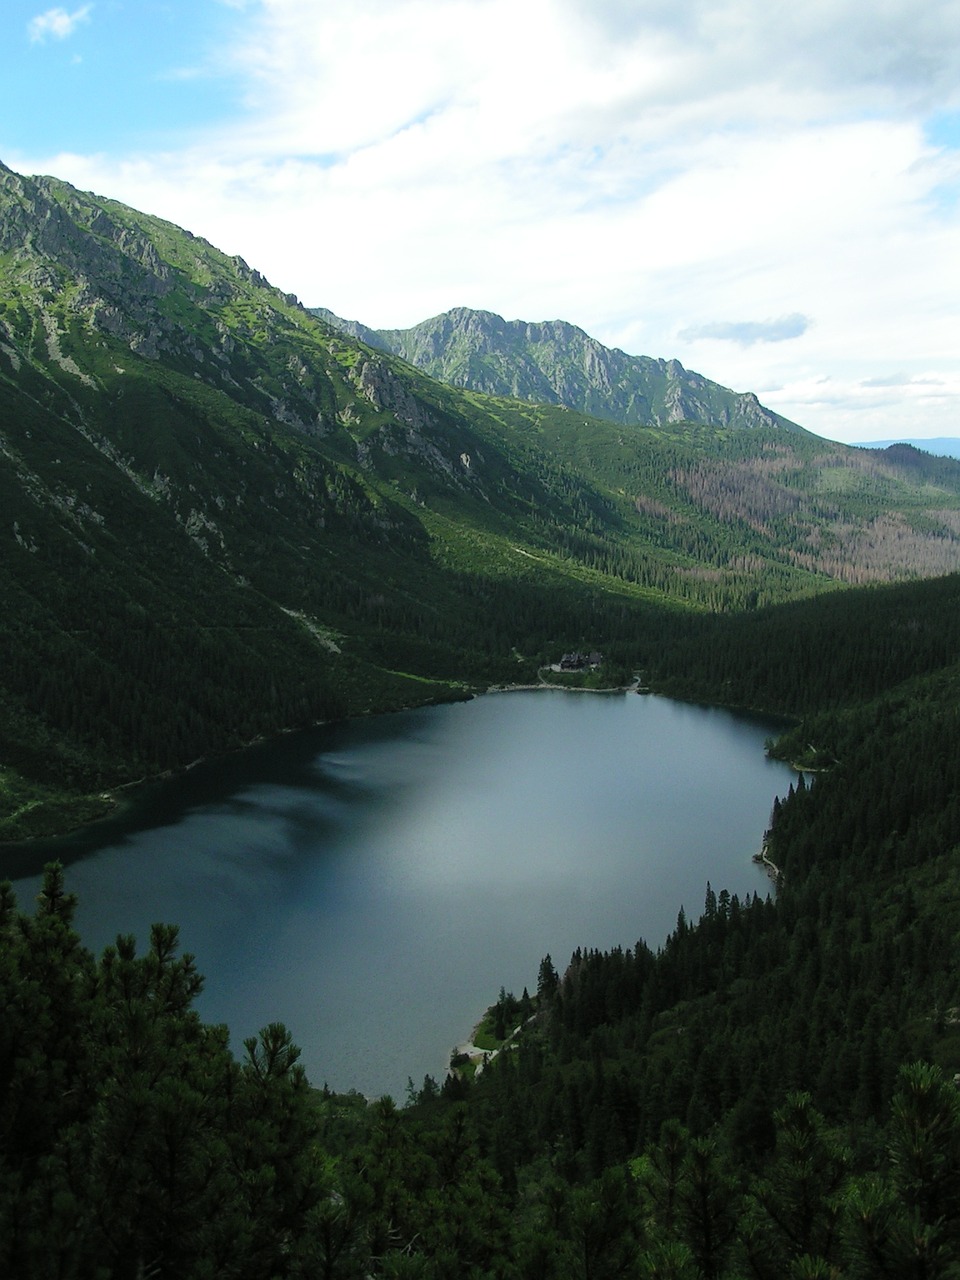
x,y
554,362
93,266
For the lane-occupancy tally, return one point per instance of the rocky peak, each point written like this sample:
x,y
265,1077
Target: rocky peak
x,y
554,362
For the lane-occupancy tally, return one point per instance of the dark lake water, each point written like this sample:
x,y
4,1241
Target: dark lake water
x,y
373,885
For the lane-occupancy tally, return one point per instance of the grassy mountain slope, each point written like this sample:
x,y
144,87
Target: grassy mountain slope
x,y
224,517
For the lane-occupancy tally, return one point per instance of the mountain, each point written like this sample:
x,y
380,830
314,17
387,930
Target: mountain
x,y
223,517
556,363
353,328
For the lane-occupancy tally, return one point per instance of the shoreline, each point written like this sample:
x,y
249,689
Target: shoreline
x,y
773,871
479,1058
111,800
634,687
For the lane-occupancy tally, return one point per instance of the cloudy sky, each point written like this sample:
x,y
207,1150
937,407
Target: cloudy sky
x,y
767,191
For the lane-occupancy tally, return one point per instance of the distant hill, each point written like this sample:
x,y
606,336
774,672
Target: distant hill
x,y
942,446
554,362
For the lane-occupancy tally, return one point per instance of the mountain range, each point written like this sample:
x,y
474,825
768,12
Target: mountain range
x,y
224,516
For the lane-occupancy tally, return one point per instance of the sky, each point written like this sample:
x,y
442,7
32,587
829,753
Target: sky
x,y
765,191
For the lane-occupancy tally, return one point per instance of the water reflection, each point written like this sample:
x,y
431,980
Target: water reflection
x,y
374,884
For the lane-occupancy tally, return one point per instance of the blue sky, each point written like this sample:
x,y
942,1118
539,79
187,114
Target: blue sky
x,y
112,76
764,190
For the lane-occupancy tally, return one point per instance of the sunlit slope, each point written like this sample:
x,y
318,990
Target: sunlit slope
x,y
554,362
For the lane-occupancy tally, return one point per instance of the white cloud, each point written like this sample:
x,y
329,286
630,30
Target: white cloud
x,y
747,332
57,23
646,171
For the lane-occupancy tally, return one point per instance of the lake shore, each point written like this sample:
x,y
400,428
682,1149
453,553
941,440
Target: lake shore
x,y
367,859
634,686
773,871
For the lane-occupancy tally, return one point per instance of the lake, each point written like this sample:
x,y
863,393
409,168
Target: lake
x,y
373,884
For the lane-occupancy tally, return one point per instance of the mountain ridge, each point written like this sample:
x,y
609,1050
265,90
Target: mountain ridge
x,y
942,446
555,362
